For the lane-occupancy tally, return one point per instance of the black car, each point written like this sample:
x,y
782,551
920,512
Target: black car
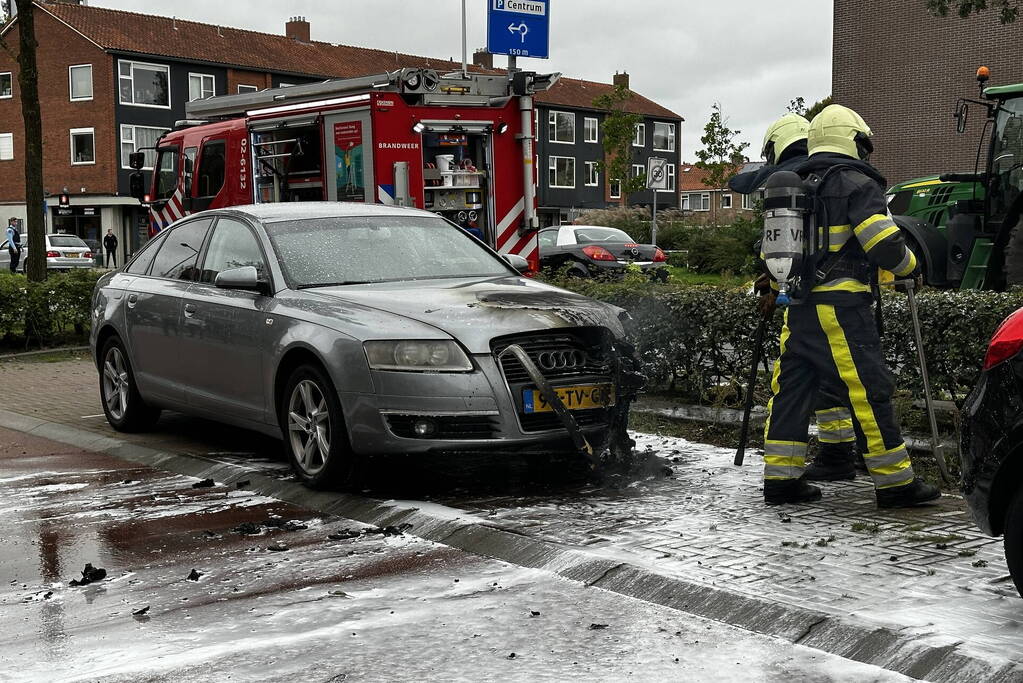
x,y
589,250
992,443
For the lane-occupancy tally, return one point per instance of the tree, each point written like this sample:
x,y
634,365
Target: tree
x,y
817,107
1008,10
28,84
721,156
797,106
618,131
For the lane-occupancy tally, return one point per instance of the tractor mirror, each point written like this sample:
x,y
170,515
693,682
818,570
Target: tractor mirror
x,y
137,160
961,115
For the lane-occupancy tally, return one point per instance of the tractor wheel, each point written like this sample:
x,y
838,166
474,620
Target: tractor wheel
x,y
1014,256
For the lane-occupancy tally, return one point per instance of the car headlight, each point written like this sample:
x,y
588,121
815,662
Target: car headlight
x,y
417,356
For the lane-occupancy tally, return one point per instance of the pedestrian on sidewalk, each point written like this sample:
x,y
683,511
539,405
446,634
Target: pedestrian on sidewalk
x,y
13,242
110,246
830,337
785,149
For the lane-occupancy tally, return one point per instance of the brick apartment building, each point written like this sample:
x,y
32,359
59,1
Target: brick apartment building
x,y
712,206
114,81
903,70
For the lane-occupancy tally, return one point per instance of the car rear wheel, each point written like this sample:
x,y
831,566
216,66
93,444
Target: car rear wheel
x,y
122,402
1014,540
314,431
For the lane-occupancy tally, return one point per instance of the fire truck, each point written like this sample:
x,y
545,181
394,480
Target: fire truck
x,y
460,145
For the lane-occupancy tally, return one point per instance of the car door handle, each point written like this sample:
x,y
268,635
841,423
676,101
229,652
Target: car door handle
x,y
132,300
189,310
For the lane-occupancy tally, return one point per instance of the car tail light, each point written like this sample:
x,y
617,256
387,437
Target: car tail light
x,y
53,254
87,254
599,253
659,255
1006,342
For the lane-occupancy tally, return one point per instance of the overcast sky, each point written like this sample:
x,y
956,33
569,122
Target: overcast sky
x,y
750,55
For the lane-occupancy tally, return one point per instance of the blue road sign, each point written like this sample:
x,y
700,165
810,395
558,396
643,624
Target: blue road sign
x,y
519,28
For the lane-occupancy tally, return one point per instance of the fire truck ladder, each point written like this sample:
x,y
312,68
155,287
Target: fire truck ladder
x,y
267,160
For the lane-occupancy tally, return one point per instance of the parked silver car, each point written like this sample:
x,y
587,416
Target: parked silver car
x,y
352,330
63,252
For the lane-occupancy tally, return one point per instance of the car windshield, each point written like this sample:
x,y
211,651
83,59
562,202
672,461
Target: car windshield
x,y
361,249
66,241
588,235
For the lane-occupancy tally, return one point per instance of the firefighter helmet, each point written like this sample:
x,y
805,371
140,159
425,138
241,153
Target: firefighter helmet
x,y
840,130
782,133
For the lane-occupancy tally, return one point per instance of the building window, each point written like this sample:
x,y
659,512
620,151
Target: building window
x,y
639,139
201,86
726,200
592,175
747,202
144,85
136,137
684,204
615,189
80,82
561,127
561,172
638,170
6,146
83,146
671,177
664,137
6,85
589,129
696,201
247,88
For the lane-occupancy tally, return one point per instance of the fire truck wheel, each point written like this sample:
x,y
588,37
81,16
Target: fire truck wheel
x,y
1014,256
314,431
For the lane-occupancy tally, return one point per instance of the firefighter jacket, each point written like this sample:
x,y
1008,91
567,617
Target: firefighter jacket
x,y
862,235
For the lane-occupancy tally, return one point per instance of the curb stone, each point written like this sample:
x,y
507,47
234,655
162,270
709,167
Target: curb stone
x,y
42,352
919,655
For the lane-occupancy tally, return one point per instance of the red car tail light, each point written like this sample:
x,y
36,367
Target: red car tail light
x,y
1006,342
87,254
660,256
53,254
599,253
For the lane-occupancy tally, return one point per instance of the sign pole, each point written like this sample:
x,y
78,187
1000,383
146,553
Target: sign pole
x,y
465,56
653,225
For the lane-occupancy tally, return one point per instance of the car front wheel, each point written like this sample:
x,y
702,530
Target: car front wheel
x,y
1014,540
314,431
122,402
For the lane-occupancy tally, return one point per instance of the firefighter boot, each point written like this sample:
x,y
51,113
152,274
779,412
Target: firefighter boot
x,y
782,491
834,462
916,492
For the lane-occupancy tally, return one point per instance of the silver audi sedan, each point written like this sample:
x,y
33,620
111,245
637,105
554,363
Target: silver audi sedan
x,y
351,330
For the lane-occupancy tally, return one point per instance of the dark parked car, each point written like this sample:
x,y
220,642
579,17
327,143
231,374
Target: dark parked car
x,y
351,330
589,250
992,443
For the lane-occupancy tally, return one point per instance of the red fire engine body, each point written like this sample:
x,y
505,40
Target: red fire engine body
x,y
460,145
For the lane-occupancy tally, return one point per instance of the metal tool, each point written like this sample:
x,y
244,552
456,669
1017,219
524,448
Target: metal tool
x,y
910,286
751,382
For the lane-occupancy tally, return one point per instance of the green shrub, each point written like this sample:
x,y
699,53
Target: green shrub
x,y
46,312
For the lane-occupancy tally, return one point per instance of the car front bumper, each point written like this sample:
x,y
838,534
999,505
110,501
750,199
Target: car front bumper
x,y
479,405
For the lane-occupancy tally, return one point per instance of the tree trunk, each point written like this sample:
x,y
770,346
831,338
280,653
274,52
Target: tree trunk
x,y
28,82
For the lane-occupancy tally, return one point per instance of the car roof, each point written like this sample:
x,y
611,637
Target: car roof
x,y
291,211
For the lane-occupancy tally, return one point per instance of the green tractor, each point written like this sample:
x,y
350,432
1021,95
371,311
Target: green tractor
x,y
965,226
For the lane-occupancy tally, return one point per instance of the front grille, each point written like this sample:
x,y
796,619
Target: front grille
x,y
448,427
589,349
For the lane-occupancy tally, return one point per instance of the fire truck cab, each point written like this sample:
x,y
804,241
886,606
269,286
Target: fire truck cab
x,y
460,145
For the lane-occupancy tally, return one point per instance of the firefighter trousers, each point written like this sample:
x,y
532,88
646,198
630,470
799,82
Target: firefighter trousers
x,y
836,348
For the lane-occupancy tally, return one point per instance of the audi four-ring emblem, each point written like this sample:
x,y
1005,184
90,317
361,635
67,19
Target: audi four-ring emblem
x,y
561,360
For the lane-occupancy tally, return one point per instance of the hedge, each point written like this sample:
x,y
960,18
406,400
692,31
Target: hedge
x,y
696,340
49,311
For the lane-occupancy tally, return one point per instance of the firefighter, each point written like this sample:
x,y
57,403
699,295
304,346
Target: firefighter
x,y
830,337
784,149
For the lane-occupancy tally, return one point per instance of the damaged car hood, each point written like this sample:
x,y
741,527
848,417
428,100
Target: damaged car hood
x,y
474,311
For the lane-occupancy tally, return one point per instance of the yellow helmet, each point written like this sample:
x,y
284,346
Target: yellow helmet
x,y
840,130
782,133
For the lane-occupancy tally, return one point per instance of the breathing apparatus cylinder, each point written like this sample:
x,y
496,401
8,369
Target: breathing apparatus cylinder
x,y
787,244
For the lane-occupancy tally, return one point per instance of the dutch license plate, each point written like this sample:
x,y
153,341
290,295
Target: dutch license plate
x,y
71,254
574,398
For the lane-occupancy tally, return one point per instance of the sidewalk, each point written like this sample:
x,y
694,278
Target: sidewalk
x,y
919,591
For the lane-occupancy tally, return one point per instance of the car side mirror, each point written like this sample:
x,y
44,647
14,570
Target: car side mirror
x,y
517,262
244,278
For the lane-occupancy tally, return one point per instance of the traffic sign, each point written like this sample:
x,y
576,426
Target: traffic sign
x,y
657,173
519,28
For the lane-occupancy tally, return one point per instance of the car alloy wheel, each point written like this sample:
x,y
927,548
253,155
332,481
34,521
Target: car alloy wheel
x,y
116,389
309,427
